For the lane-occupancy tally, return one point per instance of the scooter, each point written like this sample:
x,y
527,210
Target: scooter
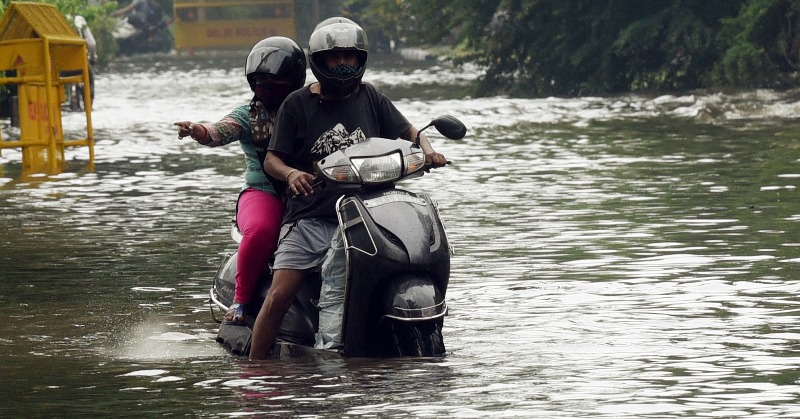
x,y
398,260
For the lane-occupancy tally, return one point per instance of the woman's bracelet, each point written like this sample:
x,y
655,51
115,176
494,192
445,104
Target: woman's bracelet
x,y
289,173
208,139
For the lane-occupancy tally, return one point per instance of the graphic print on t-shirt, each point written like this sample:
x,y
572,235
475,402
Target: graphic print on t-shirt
x,y
336,139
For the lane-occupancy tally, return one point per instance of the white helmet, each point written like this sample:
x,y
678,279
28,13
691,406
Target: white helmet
x,y
338,34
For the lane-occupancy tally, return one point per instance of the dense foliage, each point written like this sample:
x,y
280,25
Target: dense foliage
x,y
581,47
572,47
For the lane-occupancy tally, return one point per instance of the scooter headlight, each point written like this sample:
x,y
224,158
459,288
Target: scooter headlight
x,y
380,169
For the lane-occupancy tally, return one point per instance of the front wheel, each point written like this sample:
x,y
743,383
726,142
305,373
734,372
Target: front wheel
x,y
419,339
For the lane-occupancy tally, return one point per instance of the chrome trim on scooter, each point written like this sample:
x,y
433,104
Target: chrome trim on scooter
x,y
216,301
355,221
419,314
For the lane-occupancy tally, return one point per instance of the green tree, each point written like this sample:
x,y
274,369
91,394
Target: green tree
x,y
579,47
761,44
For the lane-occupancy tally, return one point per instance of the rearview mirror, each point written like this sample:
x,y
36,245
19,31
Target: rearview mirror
x,y
450,127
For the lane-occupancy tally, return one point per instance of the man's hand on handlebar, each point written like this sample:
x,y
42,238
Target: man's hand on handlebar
x,y
434,159
300,183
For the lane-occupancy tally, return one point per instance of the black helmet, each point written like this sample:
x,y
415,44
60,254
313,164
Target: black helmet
x,y
337,34
279,56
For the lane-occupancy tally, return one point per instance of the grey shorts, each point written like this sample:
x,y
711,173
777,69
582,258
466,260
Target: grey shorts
x,y
303,244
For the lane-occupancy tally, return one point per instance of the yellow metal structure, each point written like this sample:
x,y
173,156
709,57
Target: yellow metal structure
x,y
37,48
220,24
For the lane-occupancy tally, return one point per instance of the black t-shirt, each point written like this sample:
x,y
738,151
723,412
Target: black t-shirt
x,y
308,129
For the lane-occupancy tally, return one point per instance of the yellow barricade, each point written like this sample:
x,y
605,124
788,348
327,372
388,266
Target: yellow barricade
x,y
38,48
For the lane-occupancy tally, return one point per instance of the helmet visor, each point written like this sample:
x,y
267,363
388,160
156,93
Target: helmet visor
x,y
270,60
338,35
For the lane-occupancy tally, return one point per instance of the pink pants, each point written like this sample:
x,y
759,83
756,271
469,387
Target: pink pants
x,y
258,216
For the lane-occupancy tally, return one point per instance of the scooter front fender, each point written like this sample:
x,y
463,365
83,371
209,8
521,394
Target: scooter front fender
x,y
413,299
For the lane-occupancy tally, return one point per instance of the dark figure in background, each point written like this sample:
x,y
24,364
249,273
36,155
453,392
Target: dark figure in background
x,y
142,28
140,13
91,48
74,92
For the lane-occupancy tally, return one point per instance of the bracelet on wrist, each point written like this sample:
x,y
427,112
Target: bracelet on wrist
x,y
208,137
289,173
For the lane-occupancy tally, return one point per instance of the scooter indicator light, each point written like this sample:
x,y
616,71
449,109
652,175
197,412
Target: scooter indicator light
x,y
414,162
342,174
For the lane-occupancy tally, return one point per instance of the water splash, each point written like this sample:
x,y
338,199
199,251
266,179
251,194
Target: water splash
x,y
154,340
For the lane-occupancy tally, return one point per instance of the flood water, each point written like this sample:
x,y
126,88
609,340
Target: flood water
x,y
631,256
